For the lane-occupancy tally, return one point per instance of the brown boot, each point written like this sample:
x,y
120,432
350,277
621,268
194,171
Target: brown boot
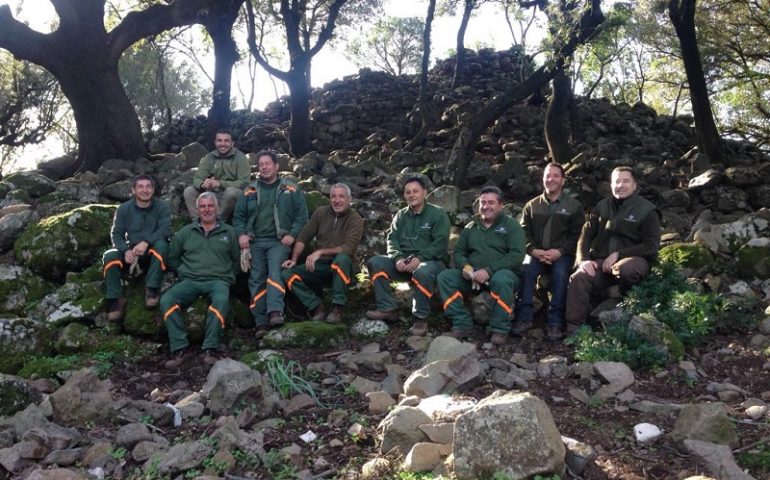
x,y
460,333
117,310
419,327
319,313
498,338
276,319
210,356
521,327
387,316
554,333
177,359
151,298
335,316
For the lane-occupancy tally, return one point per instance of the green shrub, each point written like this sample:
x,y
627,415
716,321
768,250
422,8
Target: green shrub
x,y
615,344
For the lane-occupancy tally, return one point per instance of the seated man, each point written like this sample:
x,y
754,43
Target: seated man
x,y
205,255
268,218
552,223
618,243
337,230
140,232
417,252
488,255
225,171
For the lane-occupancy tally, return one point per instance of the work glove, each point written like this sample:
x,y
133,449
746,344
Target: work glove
x,y
245,260
135,269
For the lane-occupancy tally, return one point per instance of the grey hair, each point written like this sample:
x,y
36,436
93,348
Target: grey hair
x,y
210,195
344,187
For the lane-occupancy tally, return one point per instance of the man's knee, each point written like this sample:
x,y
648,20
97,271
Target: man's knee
x,y
632,272
161,246
377,263
342,260
111,255
502,279
191,193
449,277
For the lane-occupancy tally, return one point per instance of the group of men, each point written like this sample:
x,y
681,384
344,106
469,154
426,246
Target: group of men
x,y
269,232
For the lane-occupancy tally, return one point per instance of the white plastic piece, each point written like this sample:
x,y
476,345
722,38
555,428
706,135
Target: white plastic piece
x,y
308,436
646,433
177,414
97,472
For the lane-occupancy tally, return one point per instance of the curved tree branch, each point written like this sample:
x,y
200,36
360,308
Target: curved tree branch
x,y
22,41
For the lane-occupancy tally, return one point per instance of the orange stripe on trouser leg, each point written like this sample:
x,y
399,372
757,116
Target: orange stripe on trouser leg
x,y
378,275
114,263
155,254
275,285
500,302
256,298
170,311
293,279
218,315
424,290
451,299
342,275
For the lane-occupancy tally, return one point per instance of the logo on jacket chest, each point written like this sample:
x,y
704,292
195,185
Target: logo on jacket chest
x,y
426,226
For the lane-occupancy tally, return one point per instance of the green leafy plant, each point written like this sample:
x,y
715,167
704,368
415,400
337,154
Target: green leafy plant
x,y
245,459
286,378
275,462
756,460
118,453
616,344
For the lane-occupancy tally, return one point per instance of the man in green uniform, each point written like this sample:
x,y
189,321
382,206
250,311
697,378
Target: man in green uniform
x,y
488,255
552,223
224,171
268,218
417,252
337,230
140,231
619,242
205,255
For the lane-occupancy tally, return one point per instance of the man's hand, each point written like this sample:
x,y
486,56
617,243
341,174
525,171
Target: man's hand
x,y
243,241
609,262
401,265
289,263
413,265
130,257
287,240
538,255
207,184
481,276
588,266
550,256
215,183
311,259
140,248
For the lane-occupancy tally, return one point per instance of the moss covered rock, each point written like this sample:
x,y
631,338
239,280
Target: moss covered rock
x,y
658,334
687,255
314,200
73,338
753,259
307,335
15,395
70,303
20,288
138,320
66,242
20,339
257,360
34,183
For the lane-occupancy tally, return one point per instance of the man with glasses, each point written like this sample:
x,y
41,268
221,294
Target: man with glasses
x,y
417,251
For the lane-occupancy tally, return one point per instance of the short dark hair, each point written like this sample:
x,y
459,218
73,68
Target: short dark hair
x,y
493,189
267,153
556,165
625,168
142,176
418,179
223,131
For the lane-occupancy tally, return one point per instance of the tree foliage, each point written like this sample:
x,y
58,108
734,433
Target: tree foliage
x,y
394,44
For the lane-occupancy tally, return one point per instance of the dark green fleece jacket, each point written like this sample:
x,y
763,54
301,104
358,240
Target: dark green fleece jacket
x,y
501,246
197,256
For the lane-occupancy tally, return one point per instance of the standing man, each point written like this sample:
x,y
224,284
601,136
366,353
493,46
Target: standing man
x,y
417,252
224,171
337,230
205,255
268,218
552,223
617,245
488,255
140,231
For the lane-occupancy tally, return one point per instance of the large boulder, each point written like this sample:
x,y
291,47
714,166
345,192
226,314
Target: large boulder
x,y
753,259
70,303
707,422
21,337
83,399
13,224
231,386
66,242
32,182
19,287
525,438
15,395
444,376
180,457
400,429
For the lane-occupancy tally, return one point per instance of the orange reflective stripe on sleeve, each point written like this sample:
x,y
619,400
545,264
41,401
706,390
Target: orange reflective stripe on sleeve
x,y
451,299
342,275
500,302
293,279
170,311
424,290
155,254
256,298
218,315
114,263
378,275
276,285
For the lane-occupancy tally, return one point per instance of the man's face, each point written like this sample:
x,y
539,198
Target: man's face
x,y
489,207
268,170
340,200
553,181
415,195
143,190
623,184
207,210
223,142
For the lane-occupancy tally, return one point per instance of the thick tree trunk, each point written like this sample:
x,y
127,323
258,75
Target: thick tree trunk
x,y
219,25
299,94
557,130
682,14
457,79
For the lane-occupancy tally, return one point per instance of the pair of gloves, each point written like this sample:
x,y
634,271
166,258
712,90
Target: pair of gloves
x,y
468,272
245,260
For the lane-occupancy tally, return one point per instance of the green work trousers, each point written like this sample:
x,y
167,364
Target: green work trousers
x,y
382,271
453,287
153,261
265,283
303,283
182,295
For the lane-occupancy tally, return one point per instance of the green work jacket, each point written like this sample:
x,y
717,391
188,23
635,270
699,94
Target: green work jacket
x,y
425,234
501,246
232,170
289,209
550,225
197,256
133,224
